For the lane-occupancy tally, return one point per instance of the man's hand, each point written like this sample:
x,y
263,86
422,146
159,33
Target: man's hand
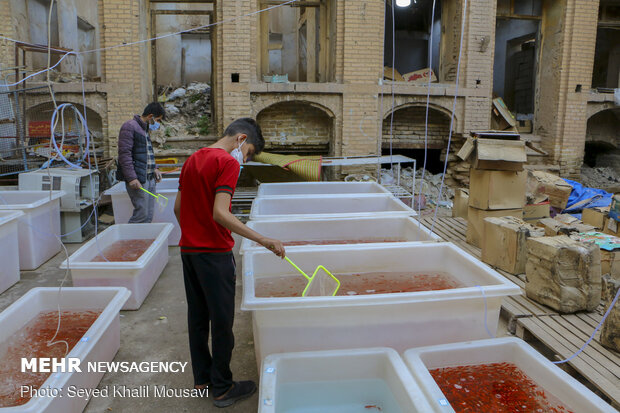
x,y
274,246
158,175
135,184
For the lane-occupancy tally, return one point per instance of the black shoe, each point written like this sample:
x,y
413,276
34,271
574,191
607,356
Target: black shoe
x,y
240,390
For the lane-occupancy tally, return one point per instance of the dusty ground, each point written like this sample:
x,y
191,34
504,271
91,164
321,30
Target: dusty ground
x,y
144,337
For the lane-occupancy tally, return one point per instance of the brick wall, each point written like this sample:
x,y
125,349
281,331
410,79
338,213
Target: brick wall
x,y
6,29
295,123
408,128
362,64
124,67
233,46
566,74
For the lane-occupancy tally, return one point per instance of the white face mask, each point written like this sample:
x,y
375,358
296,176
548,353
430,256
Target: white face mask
x,y
237,154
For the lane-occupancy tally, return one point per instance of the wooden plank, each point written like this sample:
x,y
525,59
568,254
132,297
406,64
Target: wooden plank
x,y
610,389
323,42
563,334
573,343
264,44
310,44
586,330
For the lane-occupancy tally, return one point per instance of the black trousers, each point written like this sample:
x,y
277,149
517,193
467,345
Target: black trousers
x,y
210,290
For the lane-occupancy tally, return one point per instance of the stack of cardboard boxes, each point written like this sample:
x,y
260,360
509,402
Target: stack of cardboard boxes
x,y
497,180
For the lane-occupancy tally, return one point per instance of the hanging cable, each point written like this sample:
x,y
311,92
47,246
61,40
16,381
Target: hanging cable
x,y
428,100
594,333
101,49
393,97
456,93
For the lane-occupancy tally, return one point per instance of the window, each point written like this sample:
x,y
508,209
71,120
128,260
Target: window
x,y
295,42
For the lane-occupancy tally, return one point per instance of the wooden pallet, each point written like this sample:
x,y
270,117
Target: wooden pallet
x,y
555,334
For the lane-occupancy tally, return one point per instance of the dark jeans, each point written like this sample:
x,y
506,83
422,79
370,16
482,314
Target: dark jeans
x,y
210,290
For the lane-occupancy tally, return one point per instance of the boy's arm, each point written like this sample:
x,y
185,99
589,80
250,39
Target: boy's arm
x,y
177,207
223,216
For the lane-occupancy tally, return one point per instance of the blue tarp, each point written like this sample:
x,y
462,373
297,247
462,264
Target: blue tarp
x,y
580,193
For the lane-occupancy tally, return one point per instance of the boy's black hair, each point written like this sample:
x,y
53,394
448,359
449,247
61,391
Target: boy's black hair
x,y
249,127
155,109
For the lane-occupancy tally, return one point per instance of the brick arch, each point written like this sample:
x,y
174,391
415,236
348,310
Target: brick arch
x,y
409,126
432,106
43,111
594,108
297,126
604,126
258,108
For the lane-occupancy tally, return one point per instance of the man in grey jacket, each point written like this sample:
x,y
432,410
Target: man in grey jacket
x,y
136,161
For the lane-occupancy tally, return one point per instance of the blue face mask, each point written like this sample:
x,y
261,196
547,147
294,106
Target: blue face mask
x,y
154,126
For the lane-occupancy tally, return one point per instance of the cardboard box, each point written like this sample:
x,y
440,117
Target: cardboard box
x,y
610,263
420,76
504,243
610,331
460,203
567,219
387,74
554,226
499,154
595,216
494,154
475,221
496,189
611,227
502,118
614,209
535,212
563,274
544,183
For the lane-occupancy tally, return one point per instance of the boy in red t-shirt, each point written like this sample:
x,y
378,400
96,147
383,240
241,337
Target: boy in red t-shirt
x,y
203,209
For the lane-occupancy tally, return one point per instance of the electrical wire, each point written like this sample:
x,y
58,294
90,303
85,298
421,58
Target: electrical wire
x,y
101,49
393,96
456,93
428,102
594,333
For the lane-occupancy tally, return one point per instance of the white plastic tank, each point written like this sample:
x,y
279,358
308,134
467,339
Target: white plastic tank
x,y
320,188
39,227
100,342
137,276
123,209
341,231
9,249
397,320
339,381
322,207
552,379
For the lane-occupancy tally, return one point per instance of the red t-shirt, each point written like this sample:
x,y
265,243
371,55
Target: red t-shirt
x,y
207,172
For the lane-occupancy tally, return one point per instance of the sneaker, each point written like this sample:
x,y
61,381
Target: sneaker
x,y
240,390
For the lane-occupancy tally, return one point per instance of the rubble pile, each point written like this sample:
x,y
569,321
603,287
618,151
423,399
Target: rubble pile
x,y
457,173
601,178
429,187
188,112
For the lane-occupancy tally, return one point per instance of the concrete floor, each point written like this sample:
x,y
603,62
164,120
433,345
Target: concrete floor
x,y
146,337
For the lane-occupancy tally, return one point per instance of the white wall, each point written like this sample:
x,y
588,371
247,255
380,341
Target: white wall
x,y
197,50
197,58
